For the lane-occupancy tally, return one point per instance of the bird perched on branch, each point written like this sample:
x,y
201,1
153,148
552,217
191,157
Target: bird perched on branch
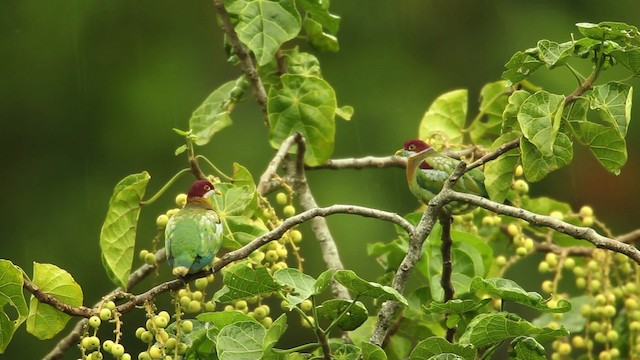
x,y
193,235
428,170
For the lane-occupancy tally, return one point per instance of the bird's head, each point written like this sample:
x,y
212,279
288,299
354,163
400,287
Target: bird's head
x,y
201,189
413,147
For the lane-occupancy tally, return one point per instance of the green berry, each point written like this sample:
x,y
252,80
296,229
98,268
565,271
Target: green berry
x,y
569,263
197,295
282,252
146,337
259,313
289,211
266,309
487,220
94,321
185,301
161,321
284,305
165,315
125,356
276,267
513,230
609,311
172,212
96,355
229,308
543,267
501,261
139,332
144,356
150,259
586,211
551,259
187,326
271,256
309,322
282,198
209,306
143,254
578,271
162,220
117,351
162,336
171,344
306,305
296,236
581,283
108,345
194,306
241,304
266,322
558,215
564,349
201,283
587,220
521,251
547,286
155,352
181,199
595,285
105,314
519,171
612,335
521,187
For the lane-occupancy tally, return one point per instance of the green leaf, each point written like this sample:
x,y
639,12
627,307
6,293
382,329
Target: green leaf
x,y
372,352
526,348
241,341
235,200
388,254
363,333
498,173
604,142
362,287
264,25
324,280
573,320
213,114
539,119
510,113
457,306
553,53
274,333
333,309
488,329
536,166
446,117
545,205
629,58
318,39
241,230
494,98
399,347
520,66
218,320
304,104
181,149
345,112
302,63
241,281
435,345
118,234
319,11
509,290
612,101
302,285
608,30
11,283
346,352
44,321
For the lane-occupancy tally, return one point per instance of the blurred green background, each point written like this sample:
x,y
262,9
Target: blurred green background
x,y
90,90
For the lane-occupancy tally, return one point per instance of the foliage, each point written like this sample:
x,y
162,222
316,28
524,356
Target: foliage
x,y
236,321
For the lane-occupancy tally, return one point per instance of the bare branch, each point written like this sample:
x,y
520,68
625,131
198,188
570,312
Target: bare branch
x,y
447,266
265,180
246,61
362,163
577,232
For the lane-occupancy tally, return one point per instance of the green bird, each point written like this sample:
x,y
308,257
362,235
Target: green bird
x,y
427,171
193,235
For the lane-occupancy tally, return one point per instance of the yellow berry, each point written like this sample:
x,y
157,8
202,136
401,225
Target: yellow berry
x,y
578,341
266,322
162,336
543,267
172,212
501,261
309,322
547,286
201,283
94,321
564,349
271,256
170,344
557,214
521,187
519,171
194,306
155,352
612,335
569,263
185,301
282,198
241,304
209,306
150,258
146,337
161,321
161,221
105,314
306,305
181,199
289,211
282,252
513,230
587,220
187,326
521,251
552,259
487,220
528,244
581,283
143,254
586,211
296,236
165,315
197,295
117,351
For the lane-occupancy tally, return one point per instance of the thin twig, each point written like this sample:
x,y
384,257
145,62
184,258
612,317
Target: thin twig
x,y
246,61
447,266
275,163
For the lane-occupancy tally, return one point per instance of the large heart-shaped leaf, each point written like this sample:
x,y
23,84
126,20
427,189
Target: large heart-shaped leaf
x,y
11,283
446,117
539,119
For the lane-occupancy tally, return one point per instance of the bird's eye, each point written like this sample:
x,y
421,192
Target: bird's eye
x,y
207,187
412,147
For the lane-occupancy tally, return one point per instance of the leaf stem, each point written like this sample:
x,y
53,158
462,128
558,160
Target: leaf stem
x,y
215,168
297,348
165,187
335,322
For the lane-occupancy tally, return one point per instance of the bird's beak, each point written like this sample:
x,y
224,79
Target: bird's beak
x,y
400,152
217,192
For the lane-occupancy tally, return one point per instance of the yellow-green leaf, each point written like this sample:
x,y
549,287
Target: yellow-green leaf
x,y
44,321
11,296
446,117
118,234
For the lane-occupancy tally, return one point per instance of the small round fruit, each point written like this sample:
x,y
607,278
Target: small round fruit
x,y
94,321
284,305
519,171
150,259
564,349
266,308
201,283
125,356
289,211
109,305
581,283
569,263
595,285
229,308
558,215
105,314
513,230
165,315
552,259
241,304
259,313
155,352
117,351
172,212
586,211
185,301
543,267
487,220
578,341
521,251
146,337
170,344
140,331
181,199
161,221
282,252
587,220
266,322
144,356
96,355
612,335
521,187
162,336
501,261
296,236
309,322
306,305
161,322
547,286
143,254
197,295
195,306
187,326
282,198
609,311
271,256
209,306
107,345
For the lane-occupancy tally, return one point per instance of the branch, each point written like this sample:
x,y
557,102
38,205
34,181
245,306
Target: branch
x,y
362,163
224,260
447,266
264,186
246,62
73,337
578,232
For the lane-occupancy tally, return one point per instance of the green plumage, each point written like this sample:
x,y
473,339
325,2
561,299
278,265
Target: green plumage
x,y
193,236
